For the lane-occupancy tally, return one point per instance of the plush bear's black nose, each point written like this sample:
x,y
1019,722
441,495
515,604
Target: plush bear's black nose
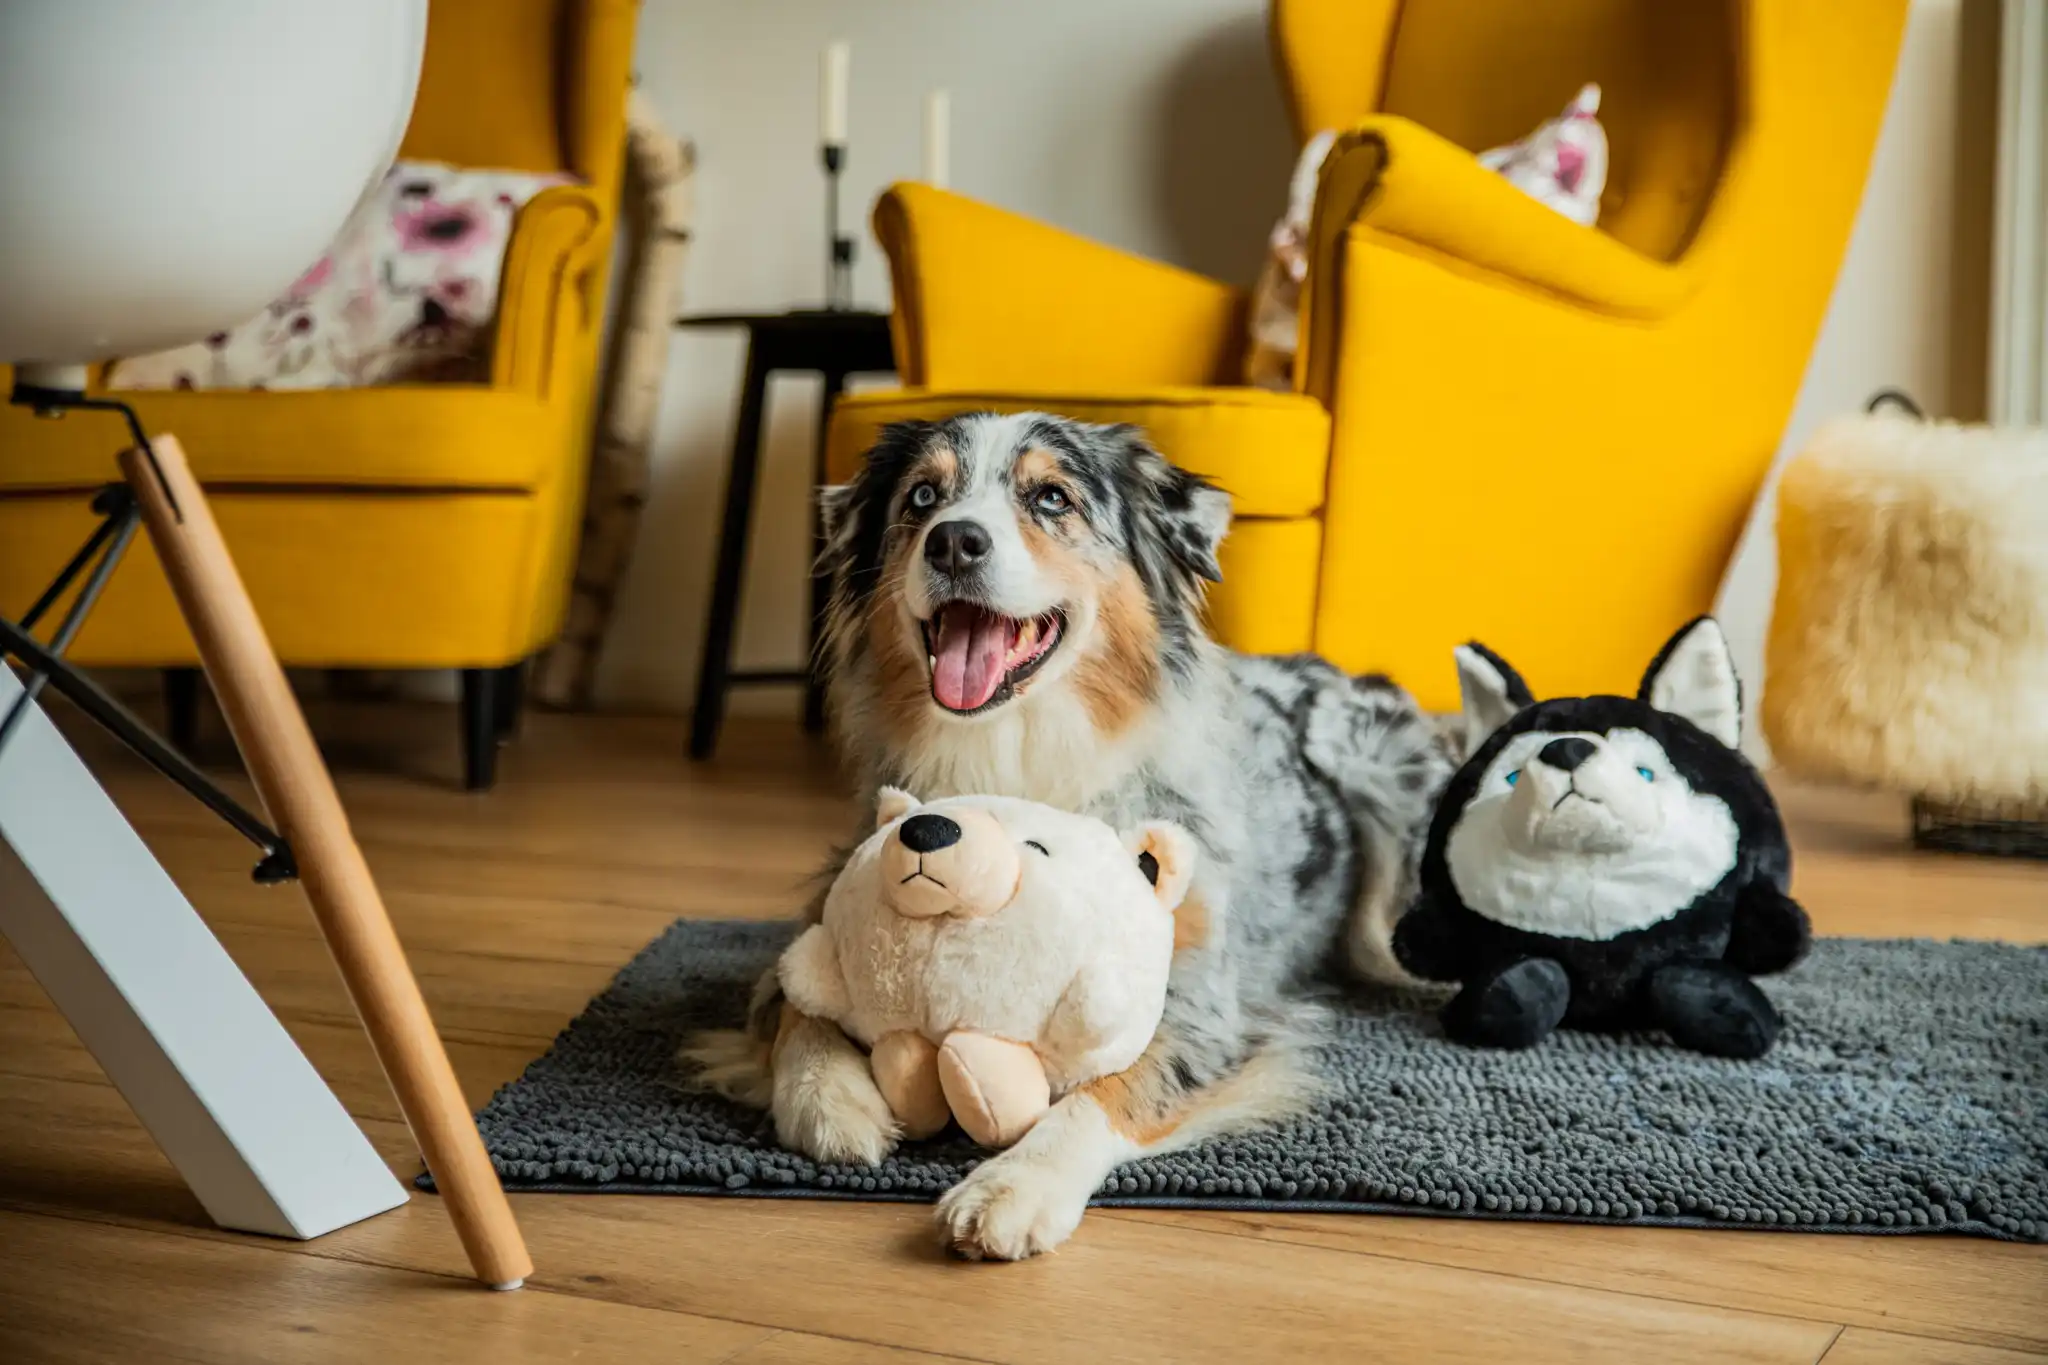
x,y
1568,753
929,833
954,547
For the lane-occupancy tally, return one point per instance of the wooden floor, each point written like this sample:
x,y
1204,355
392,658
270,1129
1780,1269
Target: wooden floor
x,y
517,906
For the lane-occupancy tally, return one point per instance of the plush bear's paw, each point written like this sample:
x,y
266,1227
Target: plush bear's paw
x,y
906,1070
1013,1207
826,1103
996,1088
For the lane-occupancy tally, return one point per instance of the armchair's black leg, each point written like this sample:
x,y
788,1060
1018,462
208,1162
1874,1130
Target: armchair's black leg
x,y
511,699
479,728
814,680
181,707
732,560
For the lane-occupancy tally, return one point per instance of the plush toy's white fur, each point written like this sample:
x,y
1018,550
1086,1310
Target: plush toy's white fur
x,y
1909,648
1070,957
1594,852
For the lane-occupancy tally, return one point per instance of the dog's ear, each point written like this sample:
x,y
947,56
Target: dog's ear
x,y
892,804
1490,690
1693,676
1202,526
855,514
1166,855
1176,515
835,505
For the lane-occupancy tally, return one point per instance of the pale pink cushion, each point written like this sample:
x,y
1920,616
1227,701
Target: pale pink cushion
x,y
406,295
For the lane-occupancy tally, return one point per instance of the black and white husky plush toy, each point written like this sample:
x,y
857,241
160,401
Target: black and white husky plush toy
x,y
1607,862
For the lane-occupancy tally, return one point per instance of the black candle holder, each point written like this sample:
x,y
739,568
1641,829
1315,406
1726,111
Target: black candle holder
x,y
839,257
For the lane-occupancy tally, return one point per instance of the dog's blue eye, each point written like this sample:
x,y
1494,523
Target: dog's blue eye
x,y
1646,775
923,496
1051,501
1514,777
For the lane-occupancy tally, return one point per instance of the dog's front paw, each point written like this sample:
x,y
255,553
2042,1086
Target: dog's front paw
x,y
1011,1208
826,1104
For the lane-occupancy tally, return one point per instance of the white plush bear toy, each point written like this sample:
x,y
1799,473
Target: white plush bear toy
x,y
993,954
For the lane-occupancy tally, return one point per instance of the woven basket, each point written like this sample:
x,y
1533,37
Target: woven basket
x,y
2003,831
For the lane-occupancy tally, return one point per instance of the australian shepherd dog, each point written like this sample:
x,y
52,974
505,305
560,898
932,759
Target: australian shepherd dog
x,y
1016,608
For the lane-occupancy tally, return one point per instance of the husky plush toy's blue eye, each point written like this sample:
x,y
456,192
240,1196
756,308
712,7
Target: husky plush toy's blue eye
x,y
1646,775
1514,777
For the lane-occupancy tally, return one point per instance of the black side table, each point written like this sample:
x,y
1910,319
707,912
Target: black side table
x,y
835,343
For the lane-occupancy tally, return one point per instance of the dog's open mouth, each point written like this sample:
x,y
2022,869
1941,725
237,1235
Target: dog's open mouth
x,y
979,658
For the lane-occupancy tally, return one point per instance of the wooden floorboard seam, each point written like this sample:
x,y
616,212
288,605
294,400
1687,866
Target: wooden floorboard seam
x,y
539,1285
355,1257
1225,1231
1129,1216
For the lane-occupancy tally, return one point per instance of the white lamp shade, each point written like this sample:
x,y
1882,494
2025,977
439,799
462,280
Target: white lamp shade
x,y
168,167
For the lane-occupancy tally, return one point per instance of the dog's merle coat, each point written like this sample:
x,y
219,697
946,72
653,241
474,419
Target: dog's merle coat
x,y
1308,790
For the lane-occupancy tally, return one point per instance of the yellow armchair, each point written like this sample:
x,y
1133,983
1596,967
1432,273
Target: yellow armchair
x,y
415,526
1503,424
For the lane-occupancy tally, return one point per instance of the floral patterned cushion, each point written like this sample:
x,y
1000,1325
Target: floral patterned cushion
x,y
406,295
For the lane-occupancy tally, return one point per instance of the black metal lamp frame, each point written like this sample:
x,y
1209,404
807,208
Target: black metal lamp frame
x,y
839,261
46,666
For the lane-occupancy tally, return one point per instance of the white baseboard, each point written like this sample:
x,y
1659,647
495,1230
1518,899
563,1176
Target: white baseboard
x,y
2019,263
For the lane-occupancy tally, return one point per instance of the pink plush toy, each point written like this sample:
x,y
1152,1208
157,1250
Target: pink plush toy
x,y
993,954
1563,164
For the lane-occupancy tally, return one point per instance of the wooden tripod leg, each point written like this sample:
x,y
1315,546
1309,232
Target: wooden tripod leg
x,y
297,791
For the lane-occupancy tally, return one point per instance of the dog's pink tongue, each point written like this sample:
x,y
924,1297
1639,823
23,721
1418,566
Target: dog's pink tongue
x,y
971,646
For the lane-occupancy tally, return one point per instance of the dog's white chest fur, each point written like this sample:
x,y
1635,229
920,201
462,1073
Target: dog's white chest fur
x,y
1043,747
1642,848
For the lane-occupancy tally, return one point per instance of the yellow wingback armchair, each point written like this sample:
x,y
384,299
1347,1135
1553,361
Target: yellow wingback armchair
x,y
1503,425
424,526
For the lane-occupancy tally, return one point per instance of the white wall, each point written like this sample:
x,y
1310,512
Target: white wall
x,y
1152,124
1155,125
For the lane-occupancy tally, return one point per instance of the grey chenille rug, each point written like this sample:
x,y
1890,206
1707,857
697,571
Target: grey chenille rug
x,y
1909,1093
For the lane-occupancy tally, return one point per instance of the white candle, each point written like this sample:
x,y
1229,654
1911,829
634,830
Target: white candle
x,y
938,135
832,95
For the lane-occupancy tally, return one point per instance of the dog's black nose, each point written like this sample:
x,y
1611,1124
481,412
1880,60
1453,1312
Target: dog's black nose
x,y
929,833
954,547
1568,753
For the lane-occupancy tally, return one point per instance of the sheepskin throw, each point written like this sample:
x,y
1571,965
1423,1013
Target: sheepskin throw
x,y
1909,649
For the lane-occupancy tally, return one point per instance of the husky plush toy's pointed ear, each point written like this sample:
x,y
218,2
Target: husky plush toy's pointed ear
x,y
1491,690
892,804
1694,676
